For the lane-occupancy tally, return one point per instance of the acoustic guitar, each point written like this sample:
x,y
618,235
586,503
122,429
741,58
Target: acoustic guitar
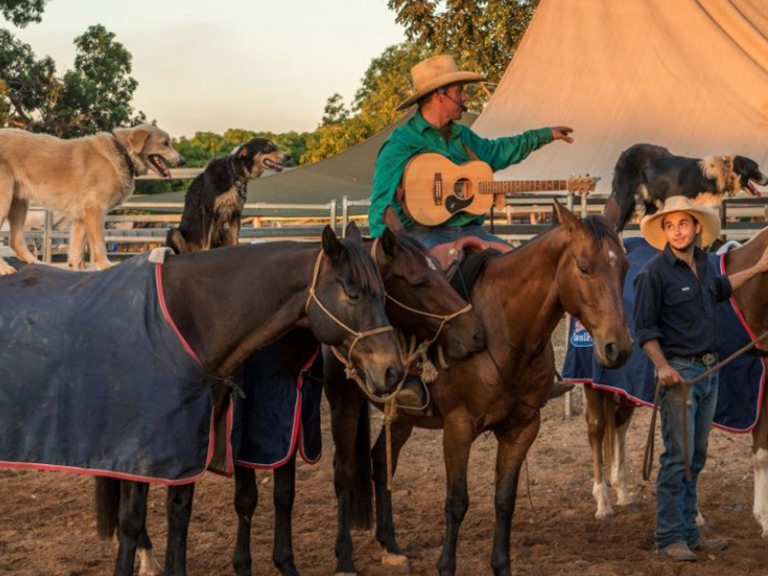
x,y
434,188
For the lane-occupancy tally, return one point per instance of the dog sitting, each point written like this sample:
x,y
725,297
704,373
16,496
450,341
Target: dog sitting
x,y
214,202
83,178
649,174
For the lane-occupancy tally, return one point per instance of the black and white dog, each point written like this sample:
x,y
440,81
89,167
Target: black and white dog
x,y
648,174
214,202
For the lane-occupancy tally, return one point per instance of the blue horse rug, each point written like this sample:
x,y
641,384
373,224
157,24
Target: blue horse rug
x,y
280,413
741,381
97,379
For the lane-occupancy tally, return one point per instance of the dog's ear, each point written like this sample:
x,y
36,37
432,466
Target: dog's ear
x,y
137,138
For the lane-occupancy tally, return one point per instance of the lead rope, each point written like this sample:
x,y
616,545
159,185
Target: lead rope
x,y
349,368
409,353
648,455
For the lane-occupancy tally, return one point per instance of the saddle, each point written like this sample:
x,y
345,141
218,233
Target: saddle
x,y
463,260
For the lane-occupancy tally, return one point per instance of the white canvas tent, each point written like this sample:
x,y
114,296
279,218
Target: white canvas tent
x,y
690,75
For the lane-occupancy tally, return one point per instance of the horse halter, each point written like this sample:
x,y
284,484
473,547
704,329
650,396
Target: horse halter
x,y
444,318
350,370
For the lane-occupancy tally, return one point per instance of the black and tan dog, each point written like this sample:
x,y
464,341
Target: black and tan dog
x,y
648,174
214,202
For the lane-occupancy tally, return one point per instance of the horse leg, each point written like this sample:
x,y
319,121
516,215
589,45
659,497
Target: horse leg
x,y
350,427
178,509
622,419
760,462
284,492
514,443
457,440
246,500
130,521
596,419
385,525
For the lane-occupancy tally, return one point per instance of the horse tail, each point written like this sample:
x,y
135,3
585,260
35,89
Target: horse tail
x,y
107,500
361,497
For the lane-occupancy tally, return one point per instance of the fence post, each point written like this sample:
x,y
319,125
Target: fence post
x,y
333,216
344,212
47,241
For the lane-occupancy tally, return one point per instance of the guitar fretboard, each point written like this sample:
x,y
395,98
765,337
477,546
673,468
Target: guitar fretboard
x,y
519,186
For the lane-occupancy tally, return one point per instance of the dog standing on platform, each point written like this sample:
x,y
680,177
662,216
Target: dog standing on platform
x,y
649,174
83,177
214,202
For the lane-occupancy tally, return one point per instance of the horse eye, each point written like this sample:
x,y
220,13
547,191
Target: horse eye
x,y
583,269
422,284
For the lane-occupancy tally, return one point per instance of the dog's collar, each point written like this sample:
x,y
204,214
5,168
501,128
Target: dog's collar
x,y
240,181
126,156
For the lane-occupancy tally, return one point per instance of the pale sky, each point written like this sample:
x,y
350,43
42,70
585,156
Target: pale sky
x,y
206,65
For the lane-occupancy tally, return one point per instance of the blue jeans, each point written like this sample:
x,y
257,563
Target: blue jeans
x,y
431,236
676,506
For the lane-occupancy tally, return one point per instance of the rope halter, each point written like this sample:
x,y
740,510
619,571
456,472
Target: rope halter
x,y
350,370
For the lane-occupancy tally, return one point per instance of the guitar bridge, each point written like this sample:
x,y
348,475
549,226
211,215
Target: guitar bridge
x,y
438,189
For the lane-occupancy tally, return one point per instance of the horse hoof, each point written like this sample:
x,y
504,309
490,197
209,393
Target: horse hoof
x,y
604,514
395,560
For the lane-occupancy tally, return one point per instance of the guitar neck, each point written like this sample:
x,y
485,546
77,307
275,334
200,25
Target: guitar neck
x,y
519,186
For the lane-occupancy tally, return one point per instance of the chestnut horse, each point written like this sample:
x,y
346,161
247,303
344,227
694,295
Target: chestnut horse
x,y
608,414
520,297
419,300
230,302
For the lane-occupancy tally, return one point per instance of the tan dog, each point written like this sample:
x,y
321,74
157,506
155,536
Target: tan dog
x,y
83,178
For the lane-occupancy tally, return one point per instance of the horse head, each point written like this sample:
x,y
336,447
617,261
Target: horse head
x,y
346,311
590,280
419,297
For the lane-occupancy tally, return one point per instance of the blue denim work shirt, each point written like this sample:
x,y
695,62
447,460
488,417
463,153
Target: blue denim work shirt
x,y
677,308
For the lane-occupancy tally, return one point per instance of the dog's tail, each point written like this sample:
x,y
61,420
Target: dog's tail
x,y
629,176
175,240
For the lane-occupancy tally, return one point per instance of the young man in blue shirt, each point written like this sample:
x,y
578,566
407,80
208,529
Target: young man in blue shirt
x,y
675,323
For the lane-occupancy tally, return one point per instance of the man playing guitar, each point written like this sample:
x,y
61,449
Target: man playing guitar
x,y
439,93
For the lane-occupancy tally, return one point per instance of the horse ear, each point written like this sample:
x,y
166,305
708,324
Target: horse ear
x,y
392,220
611,212
565,216
352,232
332,246
389,242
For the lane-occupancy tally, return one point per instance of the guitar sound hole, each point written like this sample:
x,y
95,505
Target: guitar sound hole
x,y
461,188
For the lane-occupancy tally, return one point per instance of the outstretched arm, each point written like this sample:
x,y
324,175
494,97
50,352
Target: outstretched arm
x,y
738,279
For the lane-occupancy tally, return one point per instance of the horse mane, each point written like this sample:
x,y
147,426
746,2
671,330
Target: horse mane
x,y
599,229
361,271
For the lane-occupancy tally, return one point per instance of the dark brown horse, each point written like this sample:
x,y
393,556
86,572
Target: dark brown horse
x,y
418,299
607,407
230,302
521,296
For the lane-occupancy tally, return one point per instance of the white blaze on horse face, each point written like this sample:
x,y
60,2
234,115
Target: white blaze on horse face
x,y
430,263
760,509
612,258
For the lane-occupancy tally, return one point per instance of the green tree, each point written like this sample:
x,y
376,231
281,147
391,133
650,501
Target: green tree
x,y
97,94
22,12
27,85
481,34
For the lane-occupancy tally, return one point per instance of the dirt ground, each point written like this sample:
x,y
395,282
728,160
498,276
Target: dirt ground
x,y
47,525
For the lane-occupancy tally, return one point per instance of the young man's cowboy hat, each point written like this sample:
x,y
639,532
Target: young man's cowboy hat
x,y
433,73
651,225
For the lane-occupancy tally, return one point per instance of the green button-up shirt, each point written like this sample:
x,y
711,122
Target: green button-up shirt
x,y
417,136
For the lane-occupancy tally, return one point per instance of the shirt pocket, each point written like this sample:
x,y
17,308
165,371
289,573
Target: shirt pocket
x,y
681,306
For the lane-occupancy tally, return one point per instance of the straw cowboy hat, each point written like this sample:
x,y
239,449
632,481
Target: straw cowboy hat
x,y
650,225
433,73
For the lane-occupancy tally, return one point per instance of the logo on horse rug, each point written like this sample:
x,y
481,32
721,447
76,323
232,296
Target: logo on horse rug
x,y
96,378
741,381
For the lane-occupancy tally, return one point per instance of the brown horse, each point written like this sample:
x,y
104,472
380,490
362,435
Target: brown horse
x,y
520,297
418,299
608,413
230,302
